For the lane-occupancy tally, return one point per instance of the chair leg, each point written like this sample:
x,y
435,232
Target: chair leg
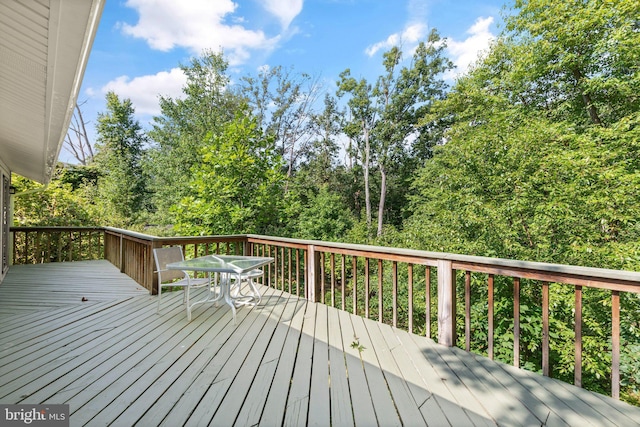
x,y
186,291
159,296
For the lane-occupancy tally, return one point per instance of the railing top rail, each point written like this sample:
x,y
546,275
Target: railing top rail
x,y
561,269
55,228
135,234
174,239
200,239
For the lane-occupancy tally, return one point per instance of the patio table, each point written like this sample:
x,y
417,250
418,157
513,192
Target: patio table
x,y
228,267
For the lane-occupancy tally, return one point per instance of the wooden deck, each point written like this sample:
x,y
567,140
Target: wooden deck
x,y
115,361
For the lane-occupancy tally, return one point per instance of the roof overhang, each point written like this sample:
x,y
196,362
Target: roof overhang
x,y
44,49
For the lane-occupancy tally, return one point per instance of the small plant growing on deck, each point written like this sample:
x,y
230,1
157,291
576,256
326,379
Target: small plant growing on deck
x,y
356,344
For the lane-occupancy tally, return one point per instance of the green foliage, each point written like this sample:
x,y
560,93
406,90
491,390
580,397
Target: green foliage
x,y
283,103
121,191
184,128
52,205
526,188
356,345
78,176
238,185
576,59
385,117
325,217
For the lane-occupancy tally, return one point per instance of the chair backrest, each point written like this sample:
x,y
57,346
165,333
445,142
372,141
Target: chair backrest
x,y
164,256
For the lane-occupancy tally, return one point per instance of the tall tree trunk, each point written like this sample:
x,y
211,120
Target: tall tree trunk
x,y
586,98
383,196
289,170
367,160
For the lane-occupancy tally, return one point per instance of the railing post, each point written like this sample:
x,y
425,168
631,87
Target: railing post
x,y
446,303
121,255
313,290
151,265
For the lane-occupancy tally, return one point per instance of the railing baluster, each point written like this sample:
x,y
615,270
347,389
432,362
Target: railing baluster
x,y
70,253
269,266
354,291
490,315
322,277
545,329
427,302
282,274
262,251
410,296
37,248
344,279
380,272
275,266
289,267
333,279
516,322
467,310
366,288
59,257
25,245
297,272
47,252
394,296
578,338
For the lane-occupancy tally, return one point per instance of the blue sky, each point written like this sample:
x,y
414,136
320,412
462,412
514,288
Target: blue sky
x,y
141,43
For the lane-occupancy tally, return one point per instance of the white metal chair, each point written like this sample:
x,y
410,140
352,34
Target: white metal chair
x,y
175,278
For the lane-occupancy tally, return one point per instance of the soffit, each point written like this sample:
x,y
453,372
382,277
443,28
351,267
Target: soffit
x,y
44,48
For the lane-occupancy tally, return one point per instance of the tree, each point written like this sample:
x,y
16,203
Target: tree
x,y
362,117
238,185
77,141
319,163
283,103
184,128
405,96
576,58
387,117
120,147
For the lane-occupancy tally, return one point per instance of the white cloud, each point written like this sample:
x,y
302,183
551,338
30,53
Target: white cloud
x,y
144,90
202,24
412,34
466,52
284,10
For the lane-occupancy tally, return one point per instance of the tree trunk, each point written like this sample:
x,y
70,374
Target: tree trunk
x,y
367,160
77,140
289,170
383,196
586,98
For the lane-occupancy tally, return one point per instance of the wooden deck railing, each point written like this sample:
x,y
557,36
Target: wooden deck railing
x,y
133,252
37,245
428,293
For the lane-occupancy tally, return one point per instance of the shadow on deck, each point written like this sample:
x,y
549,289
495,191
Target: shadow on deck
x,y
116,361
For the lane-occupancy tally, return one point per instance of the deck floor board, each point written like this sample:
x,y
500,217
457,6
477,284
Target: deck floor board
x,y
117,361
